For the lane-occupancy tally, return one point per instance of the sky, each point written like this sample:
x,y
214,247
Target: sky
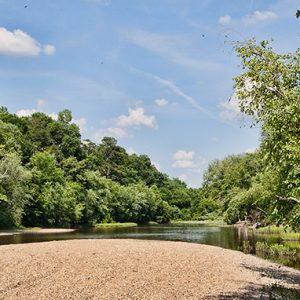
x,y
155,74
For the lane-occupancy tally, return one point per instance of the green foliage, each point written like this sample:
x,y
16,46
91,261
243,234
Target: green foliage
x,y
109,201
13,190
282,233
115,225
275,249
225,177
269,91
10,138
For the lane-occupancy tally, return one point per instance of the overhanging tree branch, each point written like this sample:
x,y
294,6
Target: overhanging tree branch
x,y
288,199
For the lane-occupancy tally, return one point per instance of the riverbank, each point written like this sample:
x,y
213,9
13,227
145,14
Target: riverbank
x,y
35,230
135,269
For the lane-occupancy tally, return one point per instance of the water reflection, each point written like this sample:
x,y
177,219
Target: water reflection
x,y
223,236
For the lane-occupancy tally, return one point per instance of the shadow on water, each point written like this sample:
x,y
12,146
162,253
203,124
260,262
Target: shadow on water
x,y
216,235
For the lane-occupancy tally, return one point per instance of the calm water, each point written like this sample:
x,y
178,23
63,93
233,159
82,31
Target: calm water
x,y
216,235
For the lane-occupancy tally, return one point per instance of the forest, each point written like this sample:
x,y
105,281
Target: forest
x,y
50,176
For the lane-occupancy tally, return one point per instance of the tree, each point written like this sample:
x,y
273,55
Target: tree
x,y
10,138
269,91
224,178
111,160
14,194
66,136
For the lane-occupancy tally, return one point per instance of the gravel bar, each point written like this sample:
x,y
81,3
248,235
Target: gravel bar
x,y
135,269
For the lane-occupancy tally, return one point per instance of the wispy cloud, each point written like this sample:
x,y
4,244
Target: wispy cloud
x,y
168,47
230,110
100,2
225,20
161,102
20,43
49,49
176,90
259,16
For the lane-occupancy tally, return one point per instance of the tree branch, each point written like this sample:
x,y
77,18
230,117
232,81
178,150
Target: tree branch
x,y
288,199
260,209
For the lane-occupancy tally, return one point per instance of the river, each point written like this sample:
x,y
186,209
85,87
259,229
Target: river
x,y
235,238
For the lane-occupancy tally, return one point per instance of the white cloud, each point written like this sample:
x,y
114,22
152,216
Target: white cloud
x,y
230,110
183,177
116,132
40,103
49,50
183,159
183,164
135,118
251,150
28,112
130,151
189,166
183,155
120,126
97,134
19,43
225,20
81,123
25,112
161,102
259,16
190,163
156,165
54,116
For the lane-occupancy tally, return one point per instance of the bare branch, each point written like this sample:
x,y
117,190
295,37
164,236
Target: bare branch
x,y
288,199
261,210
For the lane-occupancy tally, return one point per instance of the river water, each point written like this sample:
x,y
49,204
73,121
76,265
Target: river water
x,y
217,235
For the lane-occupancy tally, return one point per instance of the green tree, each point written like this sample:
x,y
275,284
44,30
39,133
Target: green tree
x,y
66,135
14,181
269,91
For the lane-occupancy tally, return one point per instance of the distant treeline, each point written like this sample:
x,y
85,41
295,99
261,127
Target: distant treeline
x,y
50,177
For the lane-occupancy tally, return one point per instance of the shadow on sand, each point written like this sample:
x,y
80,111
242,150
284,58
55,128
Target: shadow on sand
x,y
287,288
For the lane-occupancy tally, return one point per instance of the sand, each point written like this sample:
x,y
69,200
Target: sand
x,y
135,269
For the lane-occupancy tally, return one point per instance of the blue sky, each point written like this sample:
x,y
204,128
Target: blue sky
x,y
157,75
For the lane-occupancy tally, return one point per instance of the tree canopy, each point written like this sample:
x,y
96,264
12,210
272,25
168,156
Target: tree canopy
x,y
50,177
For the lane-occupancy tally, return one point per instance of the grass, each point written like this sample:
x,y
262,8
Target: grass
x,y
115,225
284,233
197,221
32,228
152,223
278,250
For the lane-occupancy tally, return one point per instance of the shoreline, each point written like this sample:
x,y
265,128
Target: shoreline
x,y
33,231
135,269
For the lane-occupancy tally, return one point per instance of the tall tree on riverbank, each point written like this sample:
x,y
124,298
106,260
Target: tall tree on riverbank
x,y
269,91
